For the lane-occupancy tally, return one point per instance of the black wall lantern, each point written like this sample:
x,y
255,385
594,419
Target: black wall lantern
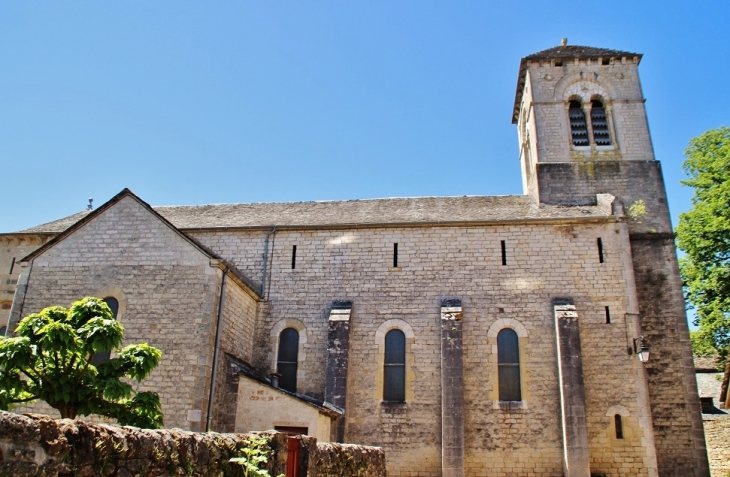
x,y
640,349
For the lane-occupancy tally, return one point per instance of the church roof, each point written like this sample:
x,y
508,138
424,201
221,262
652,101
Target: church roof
x,y
563,52
352,213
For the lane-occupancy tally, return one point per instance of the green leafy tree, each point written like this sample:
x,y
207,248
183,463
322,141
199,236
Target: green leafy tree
x,y
703,234
51,359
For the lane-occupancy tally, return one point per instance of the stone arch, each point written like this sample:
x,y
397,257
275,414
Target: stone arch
x,y
506,323
618,427
276,330
583,87
617,409
115,292
383,329
391,324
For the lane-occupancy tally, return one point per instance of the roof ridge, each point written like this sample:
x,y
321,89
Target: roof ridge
x,y
329,201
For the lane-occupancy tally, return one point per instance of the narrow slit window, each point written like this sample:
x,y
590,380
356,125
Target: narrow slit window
x,y
286,362
395,255
102,356
619,426
504,252
294,257
3,330
599,122
12,265
608,315
508,359
578,124
394,372
599,243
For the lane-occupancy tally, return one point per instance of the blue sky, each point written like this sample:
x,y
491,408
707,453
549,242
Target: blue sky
x,y
251,101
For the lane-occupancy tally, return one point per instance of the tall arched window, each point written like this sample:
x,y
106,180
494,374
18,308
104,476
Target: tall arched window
x,y
578,125
394,372
102,356
508,358
286,362
599,123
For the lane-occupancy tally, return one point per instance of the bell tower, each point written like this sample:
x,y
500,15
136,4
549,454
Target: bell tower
x,y
582,128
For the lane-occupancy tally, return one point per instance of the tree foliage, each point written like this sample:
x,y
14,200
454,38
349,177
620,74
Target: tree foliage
x,y
703,234
51,359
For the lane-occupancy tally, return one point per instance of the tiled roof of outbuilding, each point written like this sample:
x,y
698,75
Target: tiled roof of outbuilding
x,y
391,211
564,52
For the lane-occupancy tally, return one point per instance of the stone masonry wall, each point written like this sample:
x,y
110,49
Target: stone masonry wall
x,y
237,331
12,249
717,433
673,389
577,183
35,445
543,262
167,290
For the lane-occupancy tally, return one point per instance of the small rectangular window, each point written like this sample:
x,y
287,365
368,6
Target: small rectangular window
x,y
395,255
504,253
599,242
619,426
12,265
294,257
608,315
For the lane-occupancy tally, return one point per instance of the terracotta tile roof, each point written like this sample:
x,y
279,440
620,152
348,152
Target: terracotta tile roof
x,y
355,213
562,52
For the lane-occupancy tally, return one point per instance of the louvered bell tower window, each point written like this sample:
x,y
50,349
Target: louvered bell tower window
x,y
578,126
600,124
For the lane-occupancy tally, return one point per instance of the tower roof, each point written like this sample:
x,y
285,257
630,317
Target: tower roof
x,y
563,52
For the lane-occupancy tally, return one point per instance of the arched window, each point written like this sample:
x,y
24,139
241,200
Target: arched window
x,y
3,330
102,356
286,362
599,122
619,426
508,358
578,125
394,372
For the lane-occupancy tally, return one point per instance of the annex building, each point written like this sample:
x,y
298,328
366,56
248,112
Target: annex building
x,y
467,336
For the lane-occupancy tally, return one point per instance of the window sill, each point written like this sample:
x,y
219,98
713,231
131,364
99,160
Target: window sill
x,y
392,404
509,405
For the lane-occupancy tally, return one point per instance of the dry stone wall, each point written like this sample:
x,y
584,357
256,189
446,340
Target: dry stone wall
x,y
34,445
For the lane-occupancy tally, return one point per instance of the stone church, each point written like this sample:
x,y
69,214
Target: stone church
x,y
541,334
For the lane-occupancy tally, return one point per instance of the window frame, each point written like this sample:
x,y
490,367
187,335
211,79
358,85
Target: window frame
x,y
101,357
394,372
286,377
509,366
